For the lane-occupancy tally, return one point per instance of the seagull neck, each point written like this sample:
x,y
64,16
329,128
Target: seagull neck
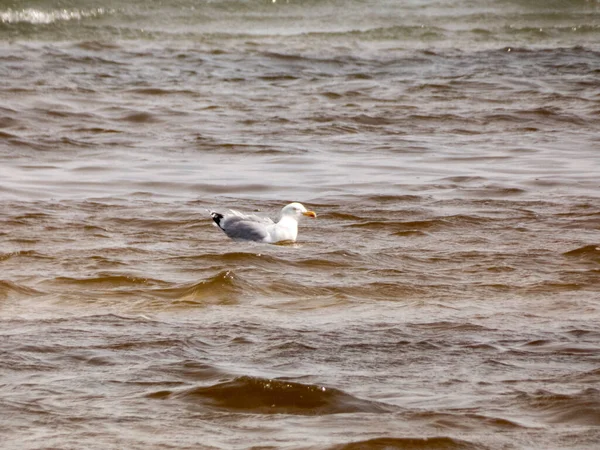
x,y
288,221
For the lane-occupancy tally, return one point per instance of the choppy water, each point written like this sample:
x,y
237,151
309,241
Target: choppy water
x,y
447,296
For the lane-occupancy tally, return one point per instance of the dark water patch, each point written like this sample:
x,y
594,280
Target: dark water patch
x,y
437,224
10,289
95,229
341,216
410,233
401,347
73,357
590,376
91,61
342,255
578,408
290,349
97,45
143,223
62,114
468,221
272,396
451,326
482,347
22,359
579,332
427,443
587,252
424,119
304,61
360,76
496,191
501,269
320,263
550,286
331,95
66,141
495,422
151,91
548,113
25,254
109,282
420,225
561,348
91,169
97,130
278,77
387,199
464,132
398,226
336,128
31,144
467,421
476,158
189,370
141,117
365,119
238,258
5,135
388,291
224,288
305,292
213,145
465,180
578,220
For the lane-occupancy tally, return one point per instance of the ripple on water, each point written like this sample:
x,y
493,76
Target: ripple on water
x,y
577,408
224,288
12,289
425,443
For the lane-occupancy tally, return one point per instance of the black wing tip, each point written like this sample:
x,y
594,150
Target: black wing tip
x,y
217,218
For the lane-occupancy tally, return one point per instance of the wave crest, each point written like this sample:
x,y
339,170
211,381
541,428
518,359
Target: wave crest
x,y
272,396
39,17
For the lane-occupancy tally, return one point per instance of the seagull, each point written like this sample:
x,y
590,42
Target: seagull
x,y
250,227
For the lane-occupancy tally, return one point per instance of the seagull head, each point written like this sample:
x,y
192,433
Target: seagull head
x,y
296,210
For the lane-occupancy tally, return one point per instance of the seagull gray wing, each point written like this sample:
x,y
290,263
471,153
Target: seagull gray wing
x,y
241,226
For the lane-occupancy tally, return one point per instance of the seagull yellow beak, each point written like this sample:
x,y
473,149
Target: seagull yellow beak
x,y
310,214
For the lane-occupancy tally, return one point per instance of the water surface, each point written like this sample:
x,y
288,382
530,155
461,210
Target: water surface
x,y
447,296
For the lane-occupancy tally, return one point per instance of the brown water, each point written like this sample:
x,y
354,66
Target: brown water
x,y
447,296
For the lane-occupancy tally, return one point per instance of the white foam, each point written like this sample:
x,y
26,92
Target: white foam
x,y
36,16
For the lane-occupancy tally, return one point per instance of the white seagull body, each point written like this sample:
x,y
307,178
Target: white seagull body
x,y
250,227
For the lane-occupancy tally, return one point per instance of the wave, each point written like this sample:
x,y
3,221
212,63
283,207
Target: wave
x,y
587,252
263,260
9,289
109,281
428,443
466,420
461,221
224,288
274,396
580,408
23,253
242,258
41,17
590,376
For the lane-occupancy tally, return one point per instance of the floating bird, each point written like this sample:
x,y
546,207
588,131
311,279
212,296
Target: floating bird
x,y
250,227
